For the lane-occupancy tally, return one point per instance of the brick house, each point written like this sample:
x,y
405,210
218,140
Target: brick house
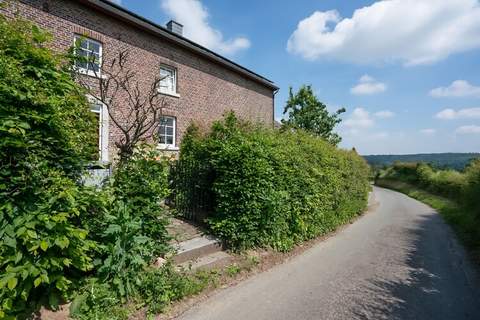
x,y
199,84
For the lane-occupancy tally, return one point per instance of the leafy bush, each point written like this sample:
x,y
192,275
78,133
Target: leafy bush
x,y
127,249
98,301
472,192
128,221
449,183
160,287
142,183
156,290
45,128
273,188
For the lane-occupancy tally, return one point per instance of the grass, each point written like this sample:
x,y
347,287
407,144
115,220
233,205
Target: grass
x,y
461,219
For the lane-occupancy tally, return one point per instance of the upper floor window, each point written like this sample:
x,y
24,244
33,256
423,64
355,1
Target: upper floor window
x,y
168,80
90,52
166,132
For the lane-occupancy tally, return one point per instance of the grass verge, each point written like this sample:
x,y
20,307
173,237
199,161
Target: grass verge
x,y
460,218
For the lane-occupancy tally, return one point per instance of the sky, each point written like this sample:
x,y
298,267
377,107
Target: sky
x,y
407,71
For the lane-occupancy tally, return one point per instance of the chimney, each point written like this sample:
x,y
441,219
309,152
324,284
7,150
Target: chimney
x,y
175,27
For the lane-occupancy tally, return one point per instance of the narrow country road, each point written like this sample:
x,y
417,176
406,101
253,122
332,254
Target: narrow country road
x,y
399,261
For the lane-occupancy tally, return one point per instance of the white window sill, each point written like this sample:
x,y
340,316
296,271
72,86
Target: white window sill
x,y
171,94
90,74
166,147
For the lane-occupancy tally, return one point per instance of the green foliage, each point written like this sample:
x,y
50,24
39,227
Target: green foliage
x,y
306,113
273,188
142,183
127,249
45,124
160,287
128,221
449,183
156,290
98,301
52,230
472,191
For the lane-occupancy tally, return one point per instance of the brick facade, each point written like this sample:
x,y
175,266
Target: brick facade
x,y
207,89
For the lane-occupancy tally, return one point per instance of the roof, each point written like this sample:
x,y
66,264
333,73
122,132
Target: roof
x,y
121,13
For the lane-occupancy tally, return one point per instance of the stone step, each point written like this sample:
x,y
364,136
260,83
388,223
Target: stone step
x,y
196,248
211,261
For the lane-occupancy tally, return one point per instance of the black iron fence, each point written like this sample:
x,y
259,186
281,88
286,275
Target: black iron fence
x,y
191,196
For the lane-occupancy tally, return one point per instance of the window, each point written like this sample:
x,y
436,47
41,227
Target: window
x,y
168,80
101,141
166,132
90,52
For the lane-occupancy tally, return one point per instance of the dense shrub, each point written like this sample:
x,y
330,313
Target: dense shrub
x,y
45,127
472,191
128,220
449,183
142,183
155,290
273,188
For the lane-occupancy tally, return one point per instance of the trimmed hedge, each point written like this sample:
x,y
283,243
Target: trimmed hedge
x,y
273,188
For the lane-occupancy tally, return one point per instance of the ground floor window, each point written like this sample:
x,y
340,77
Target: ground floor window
x,y
166,132
101,114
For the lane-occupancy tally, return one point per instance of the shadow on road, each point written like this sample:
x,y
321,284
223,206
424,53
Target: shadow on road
x,y
436,283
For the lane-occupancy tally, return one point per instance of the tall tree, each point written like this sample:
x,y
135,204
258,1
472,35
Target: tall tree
x,y
306,112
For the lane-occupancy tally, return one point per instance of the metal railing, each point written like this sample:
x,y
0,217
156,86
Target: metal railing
x,y
191,185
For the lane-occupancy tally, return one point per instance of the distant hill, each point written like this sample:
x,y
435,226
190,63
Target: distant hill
x,y
456,161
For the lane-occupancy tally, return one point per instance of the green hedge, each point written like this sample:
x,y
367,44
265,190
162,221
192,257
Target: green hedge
x,y
448,183
273,188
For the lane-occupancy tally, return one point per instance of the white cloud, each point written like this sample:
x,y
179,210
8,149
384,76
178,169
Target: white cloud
x,y
410,31
468,129
384,114
359,119
368,85
194,17
450,114
458,88
428,132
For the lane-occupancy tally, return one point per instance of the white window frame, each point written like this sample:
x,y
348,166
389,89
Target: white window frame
x,y
163,90
88,71
103,129
168,146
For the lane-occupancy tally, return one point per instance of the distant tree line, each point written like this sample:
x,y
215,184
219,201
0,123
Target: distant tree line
x,y
457,161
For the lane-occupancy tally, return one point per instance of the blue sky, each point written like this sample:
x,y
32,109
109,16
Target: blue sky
x,y
407,71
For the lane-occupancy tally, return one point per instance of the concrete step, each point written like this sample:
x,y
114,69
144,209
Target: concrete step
x,y
196,248
211,261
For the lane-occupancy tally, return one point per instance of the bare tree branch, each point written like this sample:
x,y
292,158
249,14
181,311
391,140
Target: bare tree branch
x,y
135,109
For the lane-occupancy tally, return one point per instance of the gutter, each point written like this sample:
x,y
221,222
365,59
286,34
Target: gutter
x,y
125,15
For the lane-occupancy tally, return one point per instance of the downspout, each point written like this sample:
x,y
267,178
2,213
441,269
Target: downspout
x,y
273,106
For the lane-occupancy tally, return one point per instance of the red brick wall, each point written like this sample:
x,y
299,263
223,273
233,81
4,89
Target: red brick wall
x,y
207,90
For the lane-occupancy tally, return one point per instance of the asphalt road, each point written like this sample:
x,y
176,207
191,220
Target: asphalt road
x,y
399,261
